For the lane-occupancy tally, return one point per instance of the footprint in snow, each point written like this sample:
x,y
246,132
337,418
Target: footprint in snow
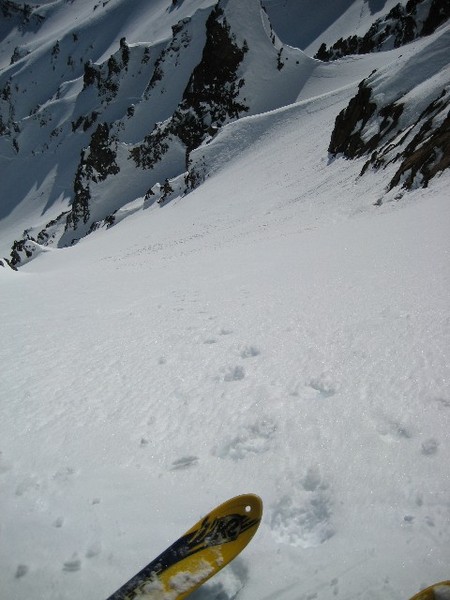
x,y
64,474
442,402
58,522
249,352
224,331
72,565
29,484
392,429
250,440
334,586
4,467
304,516
93,550
184,463
236,373
409,519
325,385
430,447
21,571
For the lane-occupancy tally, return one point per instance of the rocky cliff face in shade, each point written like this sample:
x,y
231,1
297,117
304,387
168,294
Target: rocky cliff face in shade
x,y
96,164
421,147
209,100
18,14
403,24
346,137
424,151
405,125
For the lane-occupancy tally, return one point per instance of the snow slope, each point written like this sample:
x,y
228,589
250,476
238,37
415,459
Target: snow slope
x,y
306,364
271,332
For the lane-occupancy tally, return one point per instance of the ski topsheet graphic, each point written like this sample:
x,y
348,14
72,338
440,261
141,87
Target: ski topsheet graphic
x,y
438,591
198,554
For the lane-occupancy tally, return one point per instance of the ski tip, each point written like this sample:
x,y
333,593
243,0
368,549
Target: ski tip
x,y
199,554
437,591
255,504
249,505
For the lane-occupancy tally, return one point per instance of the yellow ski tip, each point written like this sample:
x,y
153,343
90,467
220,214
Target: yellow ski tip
x,y
198,554
437,591
214,542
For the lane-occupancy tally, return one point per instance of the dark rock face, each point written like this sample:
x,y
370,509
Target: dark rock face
x,y
6,264
421,147
22,17
426,157
96,164
209,100
213,83
346,137
420,144
348,133
8,123
428,151
439,13
401,25
20,14
18,249
106,77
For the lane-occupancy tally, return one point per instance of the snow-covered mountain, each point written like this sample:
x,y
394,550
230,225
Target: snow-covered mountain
x,y
95,121
137,114
231,276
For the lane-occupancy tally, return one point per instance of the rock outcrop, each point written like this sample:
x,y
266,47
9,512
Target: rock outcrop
x,y
420,145
209,100
403,24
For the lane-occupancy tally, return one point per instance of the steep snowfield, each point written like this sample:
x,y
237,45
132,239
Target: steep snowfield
x,y
271,332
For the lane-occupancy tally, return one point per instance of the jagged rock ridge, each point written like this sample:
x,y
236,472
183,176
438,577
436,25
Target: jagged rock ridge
x,y
403,24
209,100
409,128
422,148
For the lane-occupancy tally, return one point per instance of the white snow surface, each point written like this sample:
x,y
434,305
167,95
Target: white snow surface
x,y
273,332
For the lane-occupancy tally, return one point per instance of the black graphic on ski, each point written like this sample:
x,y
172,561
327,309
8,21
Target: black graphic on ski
x,y
198,554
